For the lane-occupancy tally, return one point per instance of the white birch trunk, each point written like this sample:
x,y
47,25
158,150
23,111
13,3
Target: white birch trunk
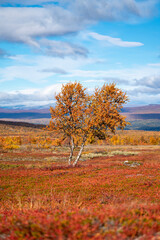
x,y
72,146
80,153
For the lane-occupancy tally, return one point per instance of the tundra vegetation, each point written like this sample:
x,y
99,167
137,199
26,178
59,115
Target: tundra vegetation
x,y
112,193
81,117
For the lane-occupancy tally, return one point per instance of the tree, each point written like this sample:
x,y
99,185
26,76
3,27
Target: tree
x,y
80,116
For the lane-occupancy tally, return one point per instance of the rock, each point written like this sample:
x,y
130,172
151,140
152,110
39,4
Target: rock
x,y
131,164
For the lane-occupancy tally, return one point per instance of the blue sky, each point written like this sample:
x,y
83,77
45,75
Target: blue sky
x,y
47,43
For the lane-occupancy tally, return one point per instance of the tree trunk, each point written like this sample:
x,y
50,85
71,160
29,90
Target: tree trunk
x,y
72,146
80,153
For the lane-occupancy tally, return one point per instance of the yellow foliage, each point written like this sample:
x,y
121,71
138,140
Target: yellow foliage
x,y
10,142
56,142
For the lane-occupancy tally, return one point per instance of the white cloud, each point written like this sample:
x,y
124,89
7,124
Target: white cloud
x,y
140,87
138,72
114,41
30,97
151,82
54,70
144,99
143,92
97,9
39,69
61,49
113,10
27,73
154,64
26,24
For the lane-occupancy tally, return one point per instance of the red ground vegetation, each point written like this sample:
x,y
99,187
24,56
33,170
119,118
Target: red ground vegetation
x,y
112,194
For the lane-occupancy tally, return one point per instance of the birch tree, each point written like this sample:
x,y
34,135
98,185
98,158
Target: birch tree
x,y
78,115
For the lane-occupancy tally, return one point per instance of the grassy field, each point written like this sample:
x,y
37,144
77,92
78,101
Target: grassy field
x,y
112,194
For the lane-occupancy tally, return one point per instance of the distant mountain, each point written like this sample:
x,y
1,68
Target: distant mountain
x,y
25,114
151,108
32,110
141,117
148,112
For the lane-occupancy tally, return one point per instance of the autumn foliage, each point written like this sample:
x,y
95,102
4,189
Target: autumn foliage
x,y
81,117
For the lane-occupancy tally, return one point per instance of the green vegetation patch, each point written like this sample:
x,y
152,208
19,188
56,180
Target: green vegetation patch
x,y
9,166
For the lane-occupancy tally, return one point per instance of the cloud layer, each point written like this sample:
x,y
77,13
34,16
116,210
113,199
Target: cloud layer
x,y
115,41
61,49
28,24
30,97
142,91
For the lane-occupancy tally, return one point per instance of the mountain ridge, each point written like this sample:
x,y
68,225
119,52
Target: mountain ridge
x,y
145,117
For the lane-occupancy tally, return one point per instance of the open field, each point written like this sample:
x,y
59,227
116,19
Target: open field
x,y
114,192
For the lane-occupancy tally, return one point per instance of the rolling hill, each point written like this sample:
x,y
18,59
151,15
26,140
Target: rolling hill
x,y
141,117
